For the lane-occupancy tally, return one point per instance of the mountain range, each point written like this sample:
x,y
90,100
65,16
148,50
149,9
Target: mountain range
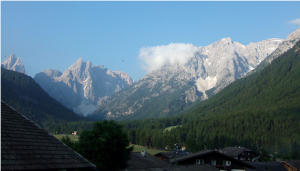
x,y
99,93
167,91
82,86
287,44
23,94
13,63
258,111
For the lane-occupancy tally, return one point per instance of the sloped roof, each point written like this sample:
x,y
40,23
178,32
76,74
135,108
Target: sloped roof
x,y
137,161
263,166
173,154
151,163
179,168
26,146
205,152
295,163
234,151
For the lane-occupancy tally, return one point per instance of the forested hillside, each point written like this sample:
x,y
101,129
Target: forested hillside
x,y
23,94
261,110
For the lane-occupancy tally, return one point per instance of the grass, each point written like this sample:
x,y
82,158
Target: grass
x,y
171,127
138,148
72,137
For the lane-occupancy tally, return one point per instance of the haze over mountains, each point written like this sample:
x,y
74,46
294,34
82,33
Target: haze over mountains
x,y
23,94
82,86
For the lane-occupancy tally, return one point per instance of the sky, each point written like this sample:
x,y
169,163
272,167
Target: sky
x,y
131,36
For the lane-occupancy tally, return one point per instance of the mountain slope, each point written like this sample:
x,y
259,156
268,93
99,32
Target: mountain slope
x,y
289,42
23,94
274,88
260,110
13,63
82,86
172,88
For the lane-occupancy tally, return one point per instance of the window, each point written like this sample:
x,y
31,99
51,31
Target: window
x,y
199,161
213,162
226,163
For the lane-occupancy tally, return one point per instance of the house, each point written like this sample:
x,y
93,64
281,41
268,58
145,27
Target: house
x,y
26,146
172,154
211,158
163,156
240,153
177,152
143,161
74,133
292,165
266,166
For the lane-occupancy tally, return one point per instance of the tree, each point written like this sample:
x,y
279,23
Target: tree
x,y
264,156
295,151
66,140
105,146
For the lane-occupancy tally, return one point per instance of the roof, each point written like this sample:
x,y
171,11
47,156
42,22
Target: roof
x,y
200,153
151,163
235,151
206,152
179,168
137,161
173,154
295,163
26,146
263,166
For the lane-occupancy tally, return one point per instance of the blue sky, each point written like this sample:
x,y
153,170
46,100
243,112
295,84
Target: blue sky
x,y
53,35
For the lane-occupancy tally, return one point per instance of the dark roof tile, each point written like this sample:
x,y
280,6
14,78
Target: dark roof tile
x,y
137,161
235,151
295,163
263,166
26,146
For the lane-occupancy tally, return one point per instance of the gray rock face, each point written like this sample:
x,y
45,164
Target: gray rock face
x,y
82,86
212,68
222,62
13,63
283,47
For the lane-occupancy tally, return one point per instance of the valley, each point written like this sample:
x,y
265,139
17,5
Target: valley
x,y
251,102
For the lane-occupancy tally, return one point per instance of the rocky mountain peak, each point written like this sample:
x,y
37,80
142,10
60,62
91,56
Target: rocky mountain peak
x,y
227,40
82,86
282,47
294,35
210,69
13,63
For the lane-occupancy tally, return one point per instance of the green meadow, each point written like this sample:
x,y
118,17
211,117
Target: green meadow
x,y
72,137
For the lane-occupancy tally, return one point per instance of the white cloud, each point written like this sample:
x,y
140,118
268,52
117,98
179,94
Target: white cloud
x,y
297,21
157,56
